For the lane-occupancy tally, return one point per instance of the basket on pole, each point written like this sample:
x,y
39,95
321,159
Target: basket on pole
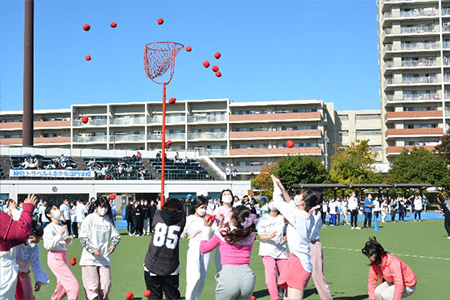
x,y
159,57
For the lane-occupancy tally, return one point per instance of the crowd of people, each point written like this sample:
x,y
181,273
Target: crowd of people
x,y
227,225
340,209
124,169
37,162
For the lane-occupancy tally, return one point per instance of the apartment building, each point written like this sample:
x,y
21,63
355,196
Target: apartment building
x,y
414,48
245,135
360,125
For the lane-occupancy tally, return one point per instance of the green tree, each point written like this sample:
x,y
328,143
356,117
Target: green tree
x,y
354,164
443,148
419,166
263,182
294,169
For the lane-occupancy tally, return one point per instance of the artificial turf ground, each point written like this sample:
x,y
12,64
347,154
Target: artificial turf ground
x,y
423,246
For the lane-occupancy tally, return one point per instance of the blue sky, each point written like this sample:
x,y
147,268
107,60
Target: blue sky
x,y
271,50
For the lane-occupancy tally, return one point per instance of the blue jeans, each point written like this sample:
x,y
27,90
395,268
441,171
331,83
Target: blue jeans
x,y
368,218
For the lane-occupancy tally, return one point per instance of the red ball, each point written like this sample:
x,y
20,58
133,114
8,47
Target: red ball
x,y
218,74
112,196
73,261
290,144
252,298
168,143
215,68
217,55
147,293
188,48
172,100
88,57
206,64
86,27
160,21
84,119
113,24
210,217
129,296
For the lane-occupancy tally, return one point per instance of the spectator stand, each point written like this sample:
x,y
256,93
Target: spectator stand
x,y
111,168
181,169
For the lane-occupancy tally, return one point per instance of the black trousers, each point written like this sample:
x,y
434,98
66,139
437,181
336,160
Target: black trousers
x,y
354,218
324,216
134,226
158,285
68,223
75,229
393,213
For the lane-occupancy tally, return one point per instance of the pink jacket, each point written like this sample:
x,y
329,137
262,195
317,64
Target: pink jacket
x,y
392,270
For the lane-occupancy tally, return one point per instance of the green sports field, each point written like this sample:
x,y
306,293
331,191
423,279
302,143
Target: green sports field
x,y
423,246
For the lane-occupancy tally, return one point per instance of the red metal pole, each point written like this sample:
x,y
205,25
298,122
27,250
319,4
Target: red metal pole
x,y
28,89
163,150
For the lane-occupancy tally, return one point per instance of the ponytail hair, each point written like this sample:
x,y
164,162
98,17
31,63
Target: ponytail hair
x,y
245,225
372,247
312,197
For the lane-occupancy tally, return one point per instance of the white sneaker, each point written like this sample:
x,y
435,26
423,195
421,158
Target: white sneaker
x,y
357,228
353,228
448,238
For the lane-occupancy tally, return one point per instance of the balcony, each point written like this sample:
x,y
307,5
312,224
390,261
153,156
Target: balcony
x,y
445,11
127,121
215,152
315,133
36,124
412,81
169,119
89,139
413,114
127,138
420,46
396,150
418,29
37,140
207,135
307,116
169,136
207,118
155,119
317,151
414,132
99,122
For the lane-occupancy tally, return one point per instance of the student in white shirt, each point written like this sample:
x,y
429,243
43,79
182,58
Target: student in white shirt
x,y
333,210
418,208
197,262
57,240
99,238
343,210
271,229
296,274
27,255
353,207
65,213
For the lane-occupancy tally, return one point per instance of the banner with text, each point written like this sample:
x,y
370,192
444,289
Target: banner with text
x,y
52,173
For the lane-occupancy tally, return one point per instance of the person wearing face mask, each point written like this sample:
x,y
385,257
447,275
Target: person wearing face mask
x,y
222,216
99,238
146,209
136,212
271,229
197,263
27,255
368,204
57,240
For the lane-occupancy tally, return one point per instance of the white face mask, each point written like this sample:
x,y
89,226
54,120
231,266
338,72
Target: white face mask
x,y
102,211
227,199
201,212
56,214
32,245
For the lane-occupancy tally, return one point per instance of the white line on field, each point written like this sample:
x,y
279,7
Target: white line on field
x,y
398,254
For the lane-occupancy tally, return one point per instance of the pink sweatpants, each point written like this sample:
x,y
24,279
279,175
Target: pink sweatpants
x,y
271,266
318,272
96,281
66,283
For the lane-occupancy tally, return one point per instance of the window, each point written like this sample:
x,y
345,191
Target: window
x,y
343,117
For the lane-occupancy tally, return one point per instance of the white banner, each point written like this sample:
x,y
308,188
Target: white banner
x,y
52,173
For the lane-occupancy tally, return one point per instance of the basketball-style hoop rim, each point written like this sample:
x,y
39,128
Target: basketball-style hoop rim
x,y
176,46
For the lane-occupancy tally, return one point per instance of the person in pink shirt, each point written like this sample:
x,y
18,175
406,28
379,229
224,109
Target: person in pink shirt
x,y
400,281
236,280
222,216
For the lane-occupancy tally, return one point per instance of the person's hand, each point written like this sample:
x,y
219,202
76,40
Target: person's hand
x,y
208,222
37,286
285,239
63,229
110,250
68,239
31,199
96,252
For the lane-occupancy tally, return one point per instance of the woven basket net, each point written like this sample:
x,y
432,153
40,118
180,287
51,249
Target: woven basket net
x,y
159,58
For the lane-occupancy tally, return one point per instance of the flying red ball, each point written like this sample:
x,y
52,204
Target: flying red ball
x,y
206,64
168,143
86,27
215,68
252,298
84,119
112,196
113,24
88,57
290,144
210,217
147,293
218,74
217,55
188,48
73,261
129,296
172,100
160,21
